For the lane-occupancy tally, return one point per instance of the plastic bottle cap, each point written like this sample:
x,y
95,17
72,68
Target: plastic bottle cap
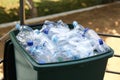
x,y
75,23
17,26
46,30
85,30
42,62
36,31
75,57
55,39
29,43
100,41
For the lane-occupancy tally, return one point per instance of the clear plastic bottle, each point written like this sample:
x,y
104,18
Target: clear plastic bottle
x,y
30,47
70,52
76,40
25,33
77,30
40,49
66,53
91,34
47,43
97,43
63,27
41,56
47,26
55,28
83,47
102,47
49,31
57,32
78,26
59,40
55,42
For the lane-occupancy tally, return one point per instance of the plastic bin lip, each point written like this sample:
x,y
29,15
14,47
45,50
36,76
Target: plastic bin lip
x,y
37,66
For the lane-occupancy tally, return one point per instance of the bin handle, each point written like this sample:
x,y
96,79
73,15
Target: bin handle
x,y
22,12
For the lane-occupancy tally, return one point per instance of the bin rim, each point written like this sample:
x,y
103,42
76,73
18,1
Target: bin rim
x,y
38,66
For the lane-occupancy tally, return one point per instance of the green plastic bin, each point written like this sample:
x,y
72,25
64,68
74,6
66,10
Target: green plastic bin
x,y
91,68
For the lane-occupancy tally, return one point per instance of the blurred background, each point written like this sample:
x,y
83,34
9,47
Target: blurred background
x,y
9,9
103,20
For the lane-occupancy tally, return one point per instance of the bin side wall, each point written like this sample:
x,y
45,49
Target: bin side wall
x,y
88,71
23,69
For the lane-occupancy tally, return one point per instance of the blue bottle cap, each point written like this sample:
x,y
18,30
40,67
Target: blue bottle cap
x,y
75,57
85,30
100,41
41,62
46,30
30,43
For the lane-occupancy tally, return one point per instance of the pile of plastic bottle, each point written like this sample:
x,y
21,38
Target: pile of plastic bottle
x,y
56,42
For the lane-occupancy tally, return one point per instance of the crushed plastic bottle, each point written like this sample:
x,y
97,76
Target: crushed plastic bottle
x,y
45,42
83,46
25,33
91,34
63,27
47,26
42,56
66,53
55,42
78,26
96,41
57,32
30,47
55,28
102,47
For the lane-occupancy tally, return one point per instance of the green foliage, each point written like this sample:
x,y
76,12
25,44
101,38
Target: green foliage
x,y
7,17
44,7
